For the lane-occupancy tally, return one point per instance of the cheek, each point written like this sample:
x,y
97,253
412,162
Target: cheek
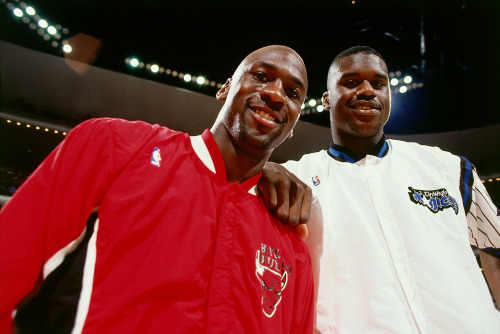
x,y
341,98
294,117
339,110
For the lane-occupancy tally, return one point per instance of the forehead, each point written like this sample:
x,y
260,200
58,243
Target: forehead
x,y
283,61
361,64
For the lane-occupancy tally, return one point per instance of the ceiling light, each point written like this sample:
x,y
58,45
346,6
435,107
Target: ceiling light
x,y
52,30
134,62
42,23
17,12
67,48
30,10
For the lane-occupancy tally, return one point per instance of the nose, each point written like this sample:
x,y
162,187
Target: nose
x,y
365,90
274,95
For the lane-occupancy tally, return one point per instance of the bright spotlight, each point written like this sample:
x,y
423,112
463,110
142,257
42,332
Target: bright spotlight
x,y
52,30
67,48
30,11
187,77
312,102
394,81
43,24
134,62
319,108
407,79
17,12
200,80
403,89
155,68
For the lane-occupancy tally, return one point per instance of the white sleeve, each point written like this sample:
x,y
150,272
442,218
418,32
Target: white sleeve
x,y
482,218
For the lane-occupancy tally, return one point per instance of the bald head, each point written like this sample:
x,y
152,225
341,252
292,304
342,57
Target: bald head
x,y
262,101
278,53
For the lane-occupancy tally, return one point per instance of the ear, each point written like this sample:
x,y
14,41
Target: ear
x,y
326,101
224,90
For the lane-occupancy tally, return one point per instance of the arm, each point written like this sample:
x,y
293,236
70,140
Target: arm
x,y
483,225
491,270
49,211
483,221
286,195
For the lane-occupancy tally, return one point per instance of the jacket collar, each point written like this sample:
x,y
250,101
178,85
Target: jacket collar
x,y
343,154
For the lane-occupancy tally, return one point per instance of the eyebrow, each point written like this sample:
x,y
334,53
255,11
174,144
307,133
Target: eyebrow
x,y
353,74
295,79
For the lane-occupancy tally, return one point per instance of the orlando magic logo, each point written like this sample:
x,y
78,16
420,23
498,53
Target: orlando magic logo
x,y
435,200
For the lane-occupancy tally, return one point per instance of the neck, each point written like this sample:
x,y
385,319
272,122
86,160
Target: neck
x,y
241,162
361,146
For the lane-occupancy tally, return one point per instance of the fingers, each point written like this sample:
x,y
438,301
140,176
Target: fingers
x,y
301,231
300,203
305,211
283,194
268,193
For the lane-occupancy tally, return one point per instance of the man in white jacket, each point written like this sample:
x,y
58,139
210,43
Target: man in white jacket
x,y
392,222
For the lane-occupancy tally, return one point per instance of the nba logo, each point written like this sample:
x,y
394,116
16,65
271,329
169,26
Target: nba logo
x,y
155,157
315,180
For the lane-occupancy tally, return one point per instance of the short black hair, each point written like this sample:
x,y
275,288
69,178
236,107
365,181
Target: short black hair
x,y
356,50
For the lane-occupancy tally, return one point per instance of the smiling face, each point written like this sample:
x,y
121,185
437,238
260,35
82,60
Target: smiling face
x,y
263,99
358,97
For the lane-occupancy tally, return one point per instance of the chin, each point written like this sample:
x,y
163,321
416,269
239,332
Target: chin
x,y
371,132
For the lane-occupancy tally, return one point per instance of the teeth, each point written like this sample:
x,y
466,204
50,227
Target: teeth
x,y
364,107
265,115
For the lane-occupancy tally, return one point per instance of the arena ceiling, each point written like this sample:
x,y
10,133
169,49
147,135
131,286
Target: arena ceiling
x,y
450,48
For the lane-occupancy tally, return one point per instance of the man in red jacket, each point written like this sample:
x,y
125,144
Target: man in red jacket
x,y
180,242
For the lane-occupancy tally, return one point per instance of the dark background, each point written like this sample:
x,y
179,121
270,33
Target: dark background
x,y
451,47
459,66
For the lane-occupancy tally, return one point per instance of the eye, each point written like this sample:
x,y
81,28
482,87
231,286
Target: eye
x,y
378,84
293,93
351,83
261,76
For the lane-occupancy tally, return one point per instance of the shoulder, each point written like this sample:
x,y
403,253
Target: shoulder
x,y
417,150
307,161
122,129
115,123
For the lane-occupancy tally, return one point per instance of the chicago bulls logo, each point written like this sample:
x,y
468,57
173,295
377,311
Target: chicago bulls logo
x,y
273,284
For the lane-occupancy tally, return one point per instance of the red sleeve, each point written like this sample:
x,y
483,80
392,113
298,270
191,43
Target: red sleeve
x,y
51,208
